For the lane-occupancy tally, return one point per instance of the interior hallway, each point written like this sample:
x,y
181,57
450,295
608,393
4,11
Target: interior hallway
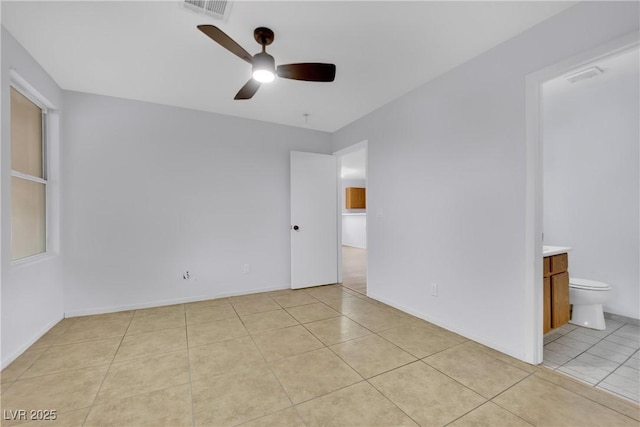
x,y
354,269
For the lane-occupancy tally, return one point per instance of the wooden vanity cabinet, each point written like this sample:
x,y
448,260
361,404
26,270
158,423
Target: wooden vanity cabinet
x,y
556,292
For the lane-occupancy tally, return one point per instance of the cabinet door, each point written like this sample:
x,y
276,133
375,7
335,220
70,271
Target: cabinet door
x,y
559,299
355,198
546,298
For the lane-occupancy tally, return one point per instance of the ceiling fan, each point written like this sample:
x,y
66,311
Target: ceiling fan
x,y
264,69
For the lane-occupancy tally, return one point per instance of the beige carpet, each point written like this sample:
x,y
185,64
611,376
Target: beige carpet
x,y
354,269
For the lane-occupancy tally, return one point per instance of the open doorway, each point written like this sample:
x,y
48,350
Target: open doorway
x,y
352,164
590,168
582,143
534,177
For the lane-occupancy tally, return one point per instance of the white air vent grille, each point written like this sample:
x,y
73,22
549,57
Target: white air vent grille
x,y
217,8
583,74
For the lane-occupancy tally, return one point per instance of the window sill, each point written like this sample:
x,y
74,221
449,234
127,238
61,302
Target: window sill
x,y
32,260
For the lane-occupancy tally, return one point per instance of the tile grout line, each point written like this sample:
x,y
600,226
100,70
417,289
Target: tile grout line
x,y
186,333
587,397
424,362
586,351
617,367
392,402
126,361
363,379
46,349
492,400
472,390
587,384
19,377
617,394
341,342
268,365
107,371
483,404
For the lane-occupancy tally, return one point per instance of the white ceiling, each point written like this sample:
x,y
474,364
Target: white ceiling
x,y
152,51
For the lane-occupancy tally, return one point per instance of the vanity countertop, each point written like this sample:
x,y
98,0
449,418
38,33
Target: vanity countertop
x,y
554,250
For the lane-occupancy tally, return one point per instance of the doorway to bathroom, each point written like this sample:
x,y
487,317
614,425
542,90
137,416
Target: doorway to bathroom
x,y
352,197
587,162
591,187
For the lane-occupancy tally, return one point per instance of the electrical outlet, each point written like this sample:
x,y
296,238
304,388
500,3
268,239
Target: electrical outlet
x,y
186,275
434,289
246,268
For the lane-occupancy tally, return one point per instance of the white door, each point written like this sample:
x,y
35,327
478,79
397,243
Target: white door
x,y
314,219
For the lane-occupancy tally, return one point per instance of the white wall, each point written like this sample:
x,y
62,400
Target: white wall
x,y
31,294
446,181
152,191
354,230
591,178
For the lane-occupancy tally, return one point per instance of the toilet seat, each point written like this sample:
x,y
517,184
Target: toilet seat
x,y
587,284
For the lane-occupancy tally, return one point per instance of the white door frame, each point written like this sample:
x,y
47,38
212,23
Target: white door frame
x,y
350,149
533,221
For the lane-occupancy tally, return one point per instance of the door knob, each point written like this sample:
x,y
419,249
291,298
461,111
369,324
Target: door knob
x,y
296,228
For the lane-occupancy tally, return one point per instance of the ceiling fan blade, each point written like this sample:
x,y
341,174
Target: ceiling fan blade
x,y
308,71
248,90
218,36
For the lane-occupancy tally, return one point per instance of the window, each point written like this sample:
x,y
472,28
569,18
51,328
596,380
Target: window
x,y
28,177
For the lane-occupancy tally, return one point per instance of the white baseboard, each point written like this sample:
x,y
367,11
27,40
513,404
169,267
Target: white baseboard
x,y
472,336
253,291
13,356
160,303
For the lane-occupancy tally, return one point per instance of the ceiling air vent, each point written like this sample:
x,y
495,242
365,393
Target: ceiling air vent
x,y
583,74
219,9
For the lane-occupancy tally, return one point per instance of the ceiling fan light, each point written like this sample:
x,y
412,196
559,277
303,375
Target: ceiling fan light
x,y
263,76
264,67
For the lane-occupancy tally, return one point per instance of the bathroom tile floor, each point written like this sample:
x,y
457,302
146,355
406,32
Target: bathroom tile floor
x,y
608,359
325,356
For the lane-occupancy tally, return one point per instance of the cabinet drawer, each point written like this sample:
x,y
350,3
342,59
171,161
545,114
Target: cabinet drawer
x,y
559,263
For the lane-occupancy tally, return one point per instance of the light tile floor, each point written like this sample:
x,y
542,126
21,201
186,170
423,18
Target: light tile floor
x,y
608,359
315,357
354,269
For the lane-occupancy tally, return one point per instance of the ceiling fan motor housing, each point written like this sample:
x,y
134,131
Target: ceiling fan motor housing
x,y
264,61
264,67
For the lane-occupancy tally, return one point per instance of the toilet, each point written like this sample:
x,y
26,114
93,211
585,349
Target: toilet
x,y
587,297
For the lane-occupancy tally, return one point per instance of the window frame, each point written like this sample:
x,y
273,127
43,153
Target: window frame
x,y
23,88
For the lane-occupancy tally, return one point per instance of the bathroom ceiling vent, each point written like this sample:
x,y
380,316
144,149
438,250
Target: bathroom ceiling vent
x,y
219,9
587,73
